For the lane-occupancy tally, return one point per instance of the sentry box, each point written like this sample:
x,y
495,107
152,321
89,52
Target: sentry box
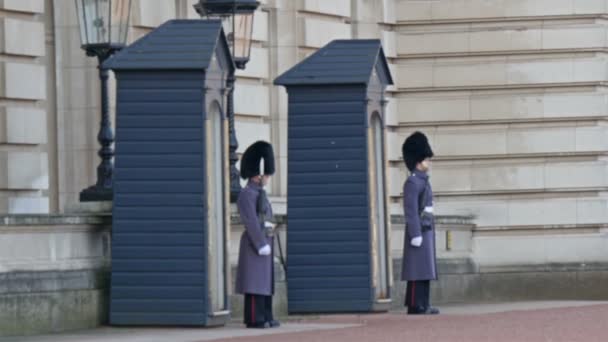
x,y
338,232
171,187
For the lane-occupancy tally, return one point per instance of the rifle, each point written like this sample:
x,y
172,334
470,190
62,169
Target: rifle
x,y
260,206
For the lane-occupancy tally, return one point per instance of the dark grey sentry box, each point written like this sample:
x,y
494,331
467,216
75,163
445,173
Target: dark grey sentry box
x,y
170,217
338,244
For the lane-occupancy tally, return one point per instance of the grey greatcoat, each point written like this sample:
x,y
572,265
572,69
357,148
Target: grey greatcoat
x,y
255,272
419,263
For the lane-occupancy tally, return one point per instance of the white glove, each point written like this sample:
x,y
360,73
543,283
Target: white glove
x,y
269,224
264,250
417,241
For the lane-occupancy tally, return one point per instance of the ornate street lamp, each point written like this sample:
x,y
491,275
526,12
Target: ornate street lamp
x,y
237,19
103,31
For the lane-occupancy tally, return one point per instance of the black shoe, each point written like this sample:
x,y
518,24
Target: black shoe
x,y
415,310
432,311
264,325
423,311
274,324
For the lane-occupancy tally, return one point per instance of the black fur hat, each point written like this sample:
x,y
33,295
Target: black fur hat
x,y
415,149
250,162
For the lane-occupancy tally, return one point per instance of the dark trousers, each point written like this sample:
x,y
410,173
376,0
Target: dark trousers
x,y
258,309
417,295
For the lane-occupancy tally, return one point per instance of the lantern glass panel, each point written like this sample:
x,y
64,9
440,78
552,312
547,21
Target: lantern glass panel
x,y
241,44
237,20
94,20
228,25
120,13
103,21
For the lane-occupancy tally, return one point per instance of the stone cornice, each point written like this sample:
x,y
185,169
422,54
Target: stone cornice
x,y
453,221
537,157
543,191
512,121
503,53
54,220
498,87
402,23
492,230
41,221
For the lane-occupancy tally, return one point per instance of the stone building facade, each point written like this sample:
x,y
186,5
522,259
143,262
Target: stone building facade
x,y
512,94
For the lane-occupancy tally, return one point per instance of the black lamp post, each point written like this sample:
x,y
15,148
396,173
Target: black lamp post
x,y
103,31
237,19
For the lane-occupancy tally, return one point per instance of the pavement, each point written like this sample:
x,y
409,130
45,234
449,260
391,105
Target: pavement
x,y
496,322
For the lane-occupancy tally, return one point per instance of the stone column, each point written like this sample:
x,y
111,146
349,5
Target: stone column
x,y
24,165
283,55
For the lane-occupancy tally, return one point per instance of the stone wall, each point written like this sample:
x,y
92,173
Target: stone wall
x,y
24,141
54,273
512,95
284,33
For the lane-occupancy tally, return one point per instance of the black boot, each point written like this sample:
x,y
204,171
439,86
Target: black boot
x,y
432,311
274,324
264,325
419,310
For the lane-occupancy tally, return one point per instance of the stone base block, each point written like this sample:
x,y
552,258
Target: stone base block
x,y
52,301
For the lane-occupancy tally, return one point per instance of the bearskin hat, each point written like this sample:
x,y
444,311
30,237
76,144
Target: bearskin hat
x,y
254,154
415,149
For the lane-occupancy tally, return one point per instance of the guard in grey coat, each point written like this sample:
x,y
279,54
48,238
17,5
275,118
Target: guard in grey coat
x,y
255,272
419,255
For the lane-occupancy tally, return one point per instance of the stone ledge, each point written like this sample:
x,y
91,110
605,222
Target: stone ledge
x,y
54,220
514,122
500,53
106,218
583,226
498,87
495,19
441,220
549,267
90,208
49,281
